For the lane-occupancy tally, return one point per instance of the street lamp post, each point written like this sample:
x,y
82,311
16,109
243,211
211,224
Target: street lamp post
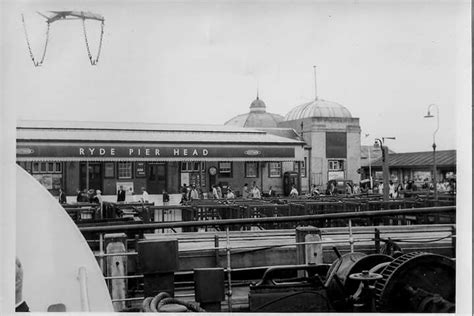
x,y
429,115
370,166
385,169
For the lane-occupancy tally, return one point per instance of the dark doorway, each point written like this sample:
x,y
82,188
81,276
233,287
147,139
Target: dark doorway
x,y
156,181
93,178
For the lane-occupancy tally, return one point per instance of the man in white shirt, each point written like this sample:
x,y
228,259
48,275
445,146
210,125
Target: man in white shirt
x,y
293,192
145,196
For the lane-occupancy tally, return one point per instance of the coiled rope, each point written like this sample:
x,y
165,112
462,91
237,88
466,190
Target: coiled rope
x,y
154,304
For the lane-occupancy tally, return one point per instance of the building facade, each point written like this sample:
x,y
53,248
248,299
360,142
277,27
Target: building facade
x,y
104,156
331,135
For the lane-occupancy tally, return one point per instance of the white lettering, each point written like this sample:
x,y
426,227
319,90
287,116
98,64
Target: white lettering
x,y
112,151
195,152
92,150
130,151
157,152
101,151
185,152
147,151
176,152
205,152
81,151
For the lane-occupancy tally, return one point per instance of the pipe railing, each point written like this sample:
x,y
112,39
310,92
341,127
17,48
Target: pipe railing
x,y
240,221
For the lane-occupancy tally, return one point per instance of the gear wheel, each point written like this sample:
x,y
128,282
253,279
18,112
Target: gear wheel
x,y
430,272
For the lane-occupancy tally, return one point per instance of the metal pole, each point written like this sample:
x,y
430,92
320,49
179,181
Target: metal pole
x,y
385,172
101,252
370,171
351,239
87,175
229,270
434,173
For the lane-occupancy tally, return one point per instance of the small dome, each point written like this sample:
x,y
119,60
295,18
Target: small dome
x,y
258,106
257,117
318,108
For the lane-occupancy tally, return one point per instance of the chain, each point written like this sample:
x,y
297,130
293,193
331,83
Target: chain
x,y
91,59
36,63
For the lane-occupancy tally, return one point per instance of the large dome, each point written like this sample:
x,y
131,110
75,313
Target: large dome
x,y
318,108
257,117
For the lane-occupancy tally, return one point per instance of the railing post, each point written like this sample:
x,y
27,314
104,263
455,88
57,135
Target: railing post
x,y
377,240
117,266
351,238
101,252
216,251
229,270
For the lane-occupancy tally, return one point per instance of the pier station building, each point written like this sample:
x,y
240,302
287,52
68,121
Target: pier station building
x,y
104,156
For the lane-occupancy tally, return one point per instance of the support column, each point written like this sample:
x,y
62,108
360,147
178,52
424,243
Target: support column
x,y
117,267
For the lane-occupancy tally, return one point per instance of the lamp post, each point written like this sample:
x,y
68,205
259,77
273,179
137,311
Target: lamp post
x,y
370,166
429,115
379,143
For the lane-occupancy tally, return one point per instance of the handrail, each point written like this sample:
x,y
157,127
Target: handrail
x,y
225,222
82,277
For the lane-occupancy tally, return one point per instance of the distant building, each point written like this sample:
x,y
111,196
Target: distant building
x,y
416,166
331,134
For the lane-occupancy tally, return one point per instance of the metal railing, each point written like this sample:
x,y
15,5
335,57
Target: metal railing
x,y
348,216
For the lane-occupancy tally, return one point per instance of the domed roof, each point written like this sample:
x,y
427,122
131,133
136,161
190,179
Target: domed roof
x,y
257,117
318,108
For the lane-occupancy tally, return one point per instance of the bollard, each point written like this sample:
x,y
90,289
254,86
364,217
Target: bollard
x,y
157,261
209,289
309,253
117,266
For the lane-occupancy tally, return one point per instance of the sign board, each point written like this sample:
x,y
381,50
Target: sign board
x,y
142,151
140,170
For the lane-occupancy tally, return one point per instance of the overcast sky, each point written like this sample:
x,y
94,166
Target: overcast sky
x,y
201,62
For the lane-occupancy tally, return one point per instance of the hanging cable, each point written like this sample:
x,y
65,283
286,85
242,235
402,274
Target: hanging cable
x,y
40,62
92,60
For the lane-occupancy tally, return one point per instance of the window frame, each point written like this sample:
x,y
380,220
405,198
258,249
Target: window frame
x,y
222,171
270,168
247,169
130,169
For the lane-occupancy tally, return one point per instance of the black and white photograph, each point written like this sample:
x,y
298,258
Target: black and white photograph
x,y
236,156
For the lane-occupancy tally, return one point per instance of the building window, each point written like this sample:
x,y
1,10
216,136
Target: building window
x,y
301,168
274,170
335,165
124,170
251,169
46,167
191,166
225,169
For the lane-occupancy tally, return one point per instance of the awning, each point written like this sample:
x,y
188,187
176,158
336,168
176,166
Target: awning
x,y
154,152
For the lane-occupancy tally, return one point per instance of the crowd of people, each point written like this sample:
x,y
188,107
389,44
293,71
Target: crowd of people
x,y
218,192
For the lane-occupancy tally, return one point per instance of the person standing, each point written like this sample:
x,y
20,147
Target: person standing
x,y
391,190
255,192
166,198
271,192
215,194
193,194
145,196
230,194
245,191
293,192
120,194
219,191
62,196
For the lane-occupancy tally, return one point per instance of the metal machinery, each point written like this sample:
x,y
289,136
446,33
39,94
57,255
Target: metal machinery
x,y
416,282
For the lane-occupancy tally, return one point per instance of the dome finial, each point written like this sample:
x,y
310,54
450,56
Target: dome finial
x,y
315,85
